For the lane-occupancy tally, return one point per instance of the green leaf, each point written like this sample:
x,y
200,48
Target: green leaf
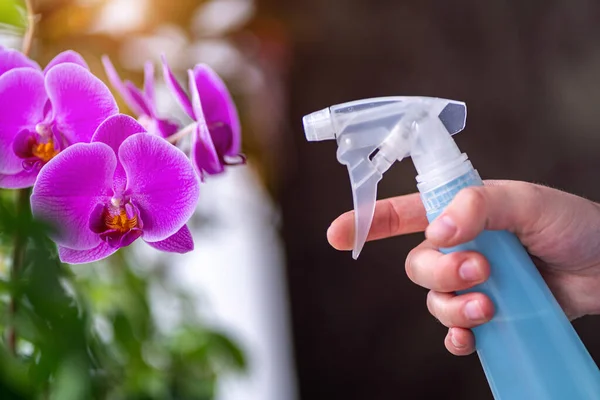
x,y
72,381
224,349
12,12
13,378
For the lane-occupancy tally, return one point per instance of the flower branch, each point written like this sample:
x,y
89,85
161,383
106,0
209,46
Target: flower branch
x,y
30,30
16,266
177,136
22,204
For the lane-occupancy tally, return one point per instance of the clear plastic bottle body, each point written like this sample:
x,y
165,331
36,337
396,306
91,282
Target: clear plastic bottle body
x,y
529,350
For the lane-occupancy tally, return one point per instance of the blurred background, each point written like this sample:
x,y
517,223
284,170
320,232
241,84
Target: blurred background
x,y
264,308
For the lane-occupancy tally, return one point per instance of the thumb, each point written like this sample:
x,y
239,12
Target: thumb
x,y
518,207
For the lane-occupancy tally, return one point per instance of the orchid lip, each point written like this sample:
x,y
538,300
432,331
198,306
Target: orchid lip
x,y
31,164
36,147
118,222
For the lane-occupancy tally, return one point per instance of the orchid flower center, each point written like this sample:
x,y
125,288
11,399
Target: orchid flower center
x,y
44,151
36,147
42,146
120,222
119,217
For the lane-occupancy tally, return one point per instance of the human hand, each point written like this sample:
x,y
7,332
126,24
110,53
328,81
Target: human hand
x,y
560,231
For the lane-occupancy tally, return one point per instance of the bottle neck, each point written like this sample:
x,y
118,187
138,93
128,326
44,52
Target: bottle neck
x,y
438,187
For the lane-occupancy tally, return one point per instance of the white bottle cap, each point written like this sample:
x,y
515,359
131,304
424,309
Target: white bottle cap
x,y
317,126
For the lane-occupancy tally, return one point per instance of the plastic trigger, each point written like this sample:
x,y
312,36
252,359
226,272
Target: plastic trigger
x,y
365,197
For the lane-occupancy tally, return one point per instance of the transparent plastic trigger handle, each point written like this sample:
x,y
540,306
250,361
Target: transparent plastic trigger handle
x,y
372,134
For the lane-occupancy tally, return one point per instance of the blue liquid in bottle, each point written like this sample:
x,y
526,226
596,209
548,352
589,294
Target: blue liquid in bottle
x,y
529,350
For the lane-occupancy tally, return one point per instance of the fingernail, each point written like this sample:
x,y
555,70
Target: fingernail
x,y
473,311
455,341
468,271
442,228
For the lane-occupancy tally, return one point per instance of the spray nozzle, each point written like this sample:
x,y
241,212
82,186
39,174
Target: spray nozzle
x,y
372,134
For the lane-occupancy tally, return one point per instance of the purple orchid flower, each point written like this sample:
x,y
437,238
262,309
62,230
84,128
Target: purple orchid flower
x,y
44,112
216,139
141,103
124,185
11,59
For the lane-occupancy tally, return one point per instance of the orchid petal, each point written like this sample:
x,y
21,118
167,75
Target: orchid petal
x,y
218,107
119,86
11,59
181,242
69,188
196,101
165,128
113,131
68,56
22,99
149,81
97,253
80,101
204,155
161,182
20,180
160,127
140,99
222,137
22,143
96,221
176,89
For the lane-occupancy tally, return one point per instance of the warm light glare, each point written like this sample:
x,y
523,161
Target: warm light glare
x,y
219,16
121,16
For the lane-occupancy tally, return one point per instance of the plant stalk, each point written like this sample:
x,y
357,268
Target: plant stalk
x,y
174,138
18,258
18,255
30,30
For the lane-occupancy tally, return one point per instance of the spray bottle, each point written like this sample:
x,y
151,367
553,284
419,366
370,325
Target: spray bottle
x,y
529,350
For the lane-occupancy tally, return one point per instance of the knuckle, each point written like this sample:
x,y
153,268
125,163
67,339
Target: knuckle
x,y
413,262
392,218
529,189
431,303
474,198
533,196
452,260
445,273
409,264
439,276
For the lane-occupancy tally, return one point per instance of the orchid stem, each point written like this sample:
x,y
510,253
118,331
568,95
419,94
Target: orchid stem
x,y
22,204
174,138
16,265
28,38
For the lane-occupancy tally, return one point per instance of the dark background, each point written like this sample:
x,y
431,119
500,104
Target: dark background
x,y
529,72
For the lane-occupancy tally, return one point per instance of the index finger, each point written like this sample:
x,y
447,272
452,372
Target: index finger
x,y
396,216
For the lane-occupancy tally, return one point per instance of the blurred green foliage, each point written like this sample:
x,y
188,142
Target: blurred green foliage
x,y
12,13
93,334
